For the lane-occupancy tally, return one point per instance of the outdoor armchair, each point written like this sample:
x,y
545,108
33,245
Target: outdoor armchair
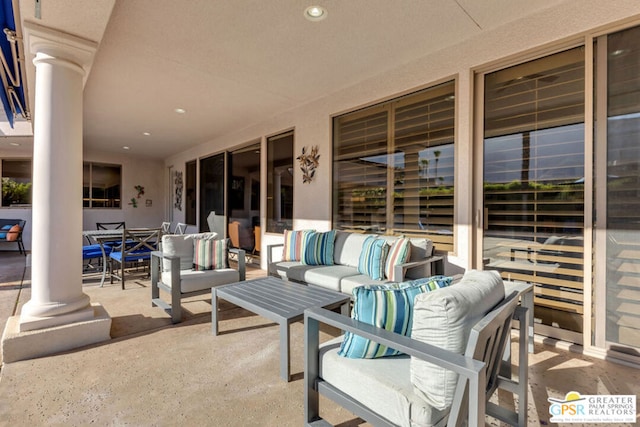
x,y
180,270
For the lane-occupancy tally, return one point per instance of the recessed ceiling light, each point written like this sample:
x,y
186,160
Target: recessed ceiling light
x,y
126,147
146,133
15,144
618,52
180,110
315,13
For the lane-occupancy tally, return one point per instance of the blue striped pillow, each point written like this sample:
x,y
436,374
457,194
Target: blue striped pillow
x,y
388,306
209,254
318,248
373,257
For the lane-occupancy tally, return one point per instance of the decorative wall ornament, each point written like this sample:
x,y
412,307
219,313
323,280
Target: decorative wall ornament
x,y
139,189
308,163
178,184
134,202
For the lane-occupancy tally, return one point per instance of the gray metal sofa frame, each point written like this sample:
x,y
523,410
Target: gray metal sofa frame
x,y
479,368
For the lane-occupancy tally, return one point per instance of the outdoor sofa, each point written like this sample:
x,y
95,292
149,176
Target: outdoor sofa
x,y
191,264
342,260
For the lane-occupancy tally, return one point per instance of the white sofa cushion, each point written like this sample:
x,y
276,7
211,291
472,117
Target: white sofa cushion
x,y
191,280
329,276
445,319
382,384
181,245
347,248
420,249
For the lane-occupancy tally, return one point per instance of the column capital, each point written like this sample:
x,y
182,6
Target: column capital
x,y
64,46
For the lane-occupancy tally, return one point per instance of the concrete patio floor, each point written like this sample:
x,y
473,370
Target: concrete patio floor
x,y
153,373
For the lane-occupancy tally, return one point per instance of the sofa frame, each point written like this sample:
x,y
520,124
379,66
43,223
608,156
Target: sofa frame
x,y
481,369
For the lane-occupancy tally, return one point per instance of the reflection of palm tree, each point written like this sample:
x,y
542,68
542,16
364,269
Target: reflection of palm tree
x,y
437,154
424,166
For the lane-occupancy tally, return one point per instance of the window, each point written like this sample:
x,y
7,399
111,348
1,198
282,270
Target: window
x,y
534,139
16,182
102,185
394,167
280,182
190,193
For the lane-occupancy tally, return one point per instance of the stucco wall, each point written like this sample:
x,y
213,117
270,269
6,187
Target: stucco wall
x,y
543,33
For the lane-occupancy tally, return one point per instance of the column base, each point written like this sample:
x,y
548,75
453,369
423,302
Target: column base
x,y
20,345
32,323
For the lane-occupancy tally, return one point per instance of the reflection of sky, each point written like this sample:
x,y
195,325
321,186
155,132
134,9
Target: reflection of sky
x,y
555,154
445,162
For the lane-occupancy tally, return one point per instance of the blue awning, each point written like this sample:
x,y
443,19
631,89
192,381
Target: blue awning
x,y
11,76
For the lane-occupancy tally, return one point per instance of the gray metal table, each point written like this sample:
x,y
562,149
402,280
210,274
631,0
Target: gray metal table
x,y
277,300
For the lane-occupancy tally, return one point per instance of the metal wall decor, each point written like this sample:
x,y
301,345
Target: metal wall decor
x,y
178,184
308,163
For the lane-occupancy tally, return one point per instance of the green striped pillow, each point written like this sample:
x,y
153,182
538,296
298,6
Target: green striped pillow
x,y
388,306
209,254
372,257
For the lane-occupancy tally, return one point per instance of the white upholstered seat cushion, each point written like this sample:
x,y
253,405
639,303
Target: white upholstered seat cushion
x,y
381,384
191,280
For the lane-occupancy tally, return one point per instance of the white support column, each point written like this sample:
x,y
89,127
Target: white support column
x,y
58,306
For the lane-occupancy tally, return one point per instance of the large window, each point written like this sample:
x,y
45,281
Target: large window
x,y
16,182
102,185
534,179
280,182
393,167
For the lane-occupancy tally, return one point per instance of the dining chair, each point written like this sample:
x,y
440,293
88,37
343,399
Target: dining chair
x,y
181,228
166,226
135,250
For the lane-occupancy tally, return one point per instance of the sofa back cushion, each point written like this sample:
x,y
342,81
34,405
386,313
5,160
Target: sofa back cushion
x,y
445,319
421,248
347,248
181,245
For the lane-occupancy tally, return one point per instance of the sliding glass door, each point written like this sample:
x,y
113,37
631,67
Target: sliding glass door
x,y
212,194
533,184
617,154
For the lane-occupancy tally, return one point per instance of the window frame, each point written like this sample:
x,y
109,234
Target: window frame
x,y
118,204
30,182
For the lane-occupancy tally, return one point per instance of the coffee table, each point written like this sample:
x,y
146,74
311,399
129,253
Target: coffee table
x,y
280,301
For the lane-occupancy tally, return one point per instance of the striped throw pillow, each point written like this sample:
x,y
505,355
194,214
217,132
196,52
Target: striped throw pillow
x,y
388,306
372,258
294,244
209,254
318,248
399,253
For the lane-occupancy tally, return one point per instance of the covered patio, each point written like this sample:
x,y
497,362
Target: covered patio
x,y
155,373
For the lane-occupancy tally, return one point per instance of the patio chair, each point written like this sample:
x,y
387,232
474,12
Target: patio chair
x,y
420,386
11,231
166,227
181,228
135,249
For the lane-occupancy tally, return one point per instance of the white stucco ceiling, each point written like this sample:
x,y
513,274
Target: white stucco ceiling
x,y
231,64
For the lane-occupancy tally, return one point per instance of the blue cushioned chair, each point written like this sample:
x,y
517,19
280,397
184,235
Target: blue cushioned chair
x,y
136,250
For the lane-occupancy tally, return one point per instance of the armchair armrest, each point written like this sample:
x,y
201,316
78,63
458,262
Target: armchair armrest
x,y
242,269
400,269
270,251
